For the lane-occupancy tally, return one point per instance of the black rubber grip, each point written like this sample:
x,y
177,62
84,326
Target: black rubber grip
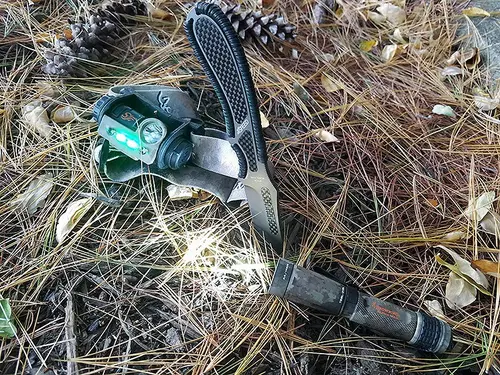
x,y
384,317
242,172
430,335
221,55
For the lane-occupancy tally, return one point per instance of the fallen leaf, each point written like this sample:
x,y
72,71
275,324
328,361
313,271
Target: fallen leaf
x,y
432,202
328,83
43,38
204,195
491,223
397,35
486,266
46,88
464,270
67,34
160,14
326,58
367,45
301,92
435,308
454,236
264,122
479,207
177,192
63,114
451,71
475,12
486,103
459,293
68,220
34,197
444,110
393,14
469,58
376,18
326,136
286,133
358,110
267,3
418,51
7,328
389,52
36,117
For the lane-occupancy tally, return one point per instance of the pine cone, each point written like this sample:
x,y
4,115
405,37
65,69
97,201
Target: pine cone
x,y
121,11
321,7
256,26
90,39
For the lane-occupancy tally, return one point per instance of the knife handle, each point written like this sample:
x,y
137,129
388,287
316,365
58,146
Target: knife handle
x,y
221,55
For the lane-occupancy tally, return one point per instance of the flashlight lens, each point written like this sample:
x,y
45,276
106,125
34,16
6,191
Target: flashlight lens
x,y
121,137
153,131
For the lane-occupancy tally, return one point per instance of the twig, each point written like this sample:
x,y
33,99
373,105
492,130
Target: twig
x,y
70,337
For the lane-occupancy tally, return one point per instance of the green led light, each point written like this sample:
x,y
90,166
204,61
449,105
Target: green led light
x,y
132,144
120,137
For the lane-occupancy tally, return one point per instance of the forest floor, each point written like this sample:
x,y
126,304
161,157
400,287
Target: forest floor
x,y
142,284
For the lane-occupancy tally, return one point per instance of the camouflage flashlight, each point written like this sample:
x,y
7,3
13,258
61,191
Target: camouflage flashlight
x,y
319,292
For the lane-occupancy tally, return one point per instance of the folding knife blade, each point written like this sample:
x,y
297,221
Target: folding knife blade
x,y
221,55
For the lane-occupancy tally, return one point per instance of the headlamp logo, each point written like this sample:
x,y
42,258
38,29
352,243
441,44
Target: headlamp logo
x,y
127,116
163,101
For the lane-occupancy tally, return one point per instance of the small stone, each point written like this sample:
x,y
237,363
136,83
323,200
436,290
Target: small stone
x,y
172,338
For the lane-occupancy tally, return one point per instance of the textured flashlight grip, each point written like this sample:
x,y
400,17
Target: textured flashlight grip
x,y
384,317
416,328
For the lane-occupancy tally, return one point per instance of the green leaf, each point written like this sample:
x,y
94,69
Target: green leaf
x,y
7,328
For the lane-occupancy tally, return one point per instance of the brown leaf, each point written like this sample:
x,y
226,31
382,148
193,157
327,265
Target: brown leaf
x,y
486,266
67,34
390,51
433,202
63,114
161,14
329,84
267,3
43,38
475,12
469,58
204,195
36,116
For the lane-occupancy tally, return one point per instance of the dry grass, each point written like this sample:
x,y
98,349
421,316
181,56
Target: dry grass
x,y
161,287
